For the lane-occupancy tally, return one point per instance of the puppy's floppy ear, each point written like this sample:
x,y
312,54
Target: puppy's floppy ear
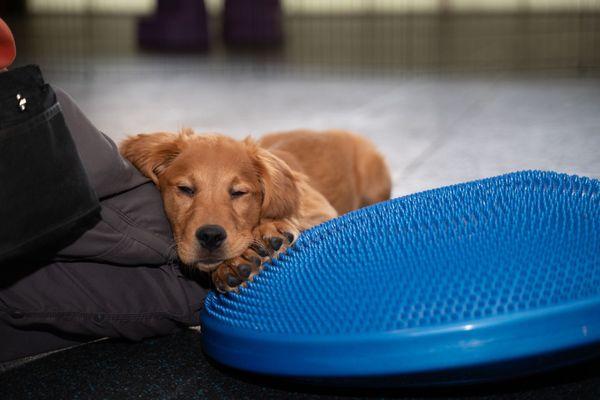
x,y
152,153
279,183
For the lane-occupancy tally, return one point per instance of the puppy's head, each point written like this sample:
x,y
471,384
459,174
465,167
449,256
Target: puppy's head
x,y
215,190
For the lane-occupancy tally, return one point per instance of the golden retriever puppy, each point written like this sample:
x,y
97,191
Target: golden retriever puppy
x,y
233,203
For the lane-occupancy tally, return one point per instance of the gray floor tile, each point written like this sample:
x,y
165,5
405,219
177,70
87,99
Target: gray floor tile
x,y
539,124
433,130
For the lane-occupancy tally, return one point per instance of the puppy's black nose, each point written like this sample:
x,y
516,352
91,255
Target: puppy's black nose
x,y
211,236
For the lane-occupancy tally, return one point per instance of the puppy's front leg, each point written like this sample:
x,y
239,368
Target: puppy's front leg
x,y
234,272
271,238
275,236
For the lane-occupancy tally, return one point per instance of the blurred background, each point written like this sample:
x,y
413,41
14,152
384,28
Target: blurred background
x,y
449,90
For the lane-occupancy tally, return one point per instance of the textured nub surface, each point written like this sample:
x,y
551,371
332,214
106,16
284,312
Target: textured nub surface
x,y
487,248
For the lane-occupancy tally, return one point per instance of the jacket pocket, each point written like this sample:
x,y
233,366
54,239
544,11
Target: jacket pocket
x,y
46,200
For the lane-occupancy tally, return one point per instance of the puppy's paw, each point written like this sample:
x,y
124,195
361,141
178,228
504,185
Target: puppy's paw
x,y
233,273
273,237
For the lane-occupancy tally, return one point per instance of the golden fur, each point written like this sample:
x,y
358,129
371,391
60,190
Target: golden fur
x,y
255,190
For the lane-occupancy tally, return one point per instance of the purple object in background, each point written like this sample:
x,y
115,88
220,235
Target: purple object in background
x,y
176,25
252,23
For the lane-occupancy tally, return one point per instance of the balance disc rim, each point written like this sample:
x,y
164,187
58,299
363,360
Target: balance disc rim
x,y
408,351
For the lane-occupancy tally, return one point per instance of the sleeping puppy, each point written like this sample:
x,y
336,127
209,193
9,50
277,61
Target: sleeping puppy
x,y
232,204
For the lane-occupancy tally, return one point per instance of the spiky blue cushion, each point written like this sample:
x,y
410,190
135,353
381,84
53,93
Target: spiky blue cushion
x,y
475,274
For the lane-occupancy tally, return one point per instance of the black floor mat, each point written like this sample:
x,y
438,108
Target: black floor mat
x,y
174,367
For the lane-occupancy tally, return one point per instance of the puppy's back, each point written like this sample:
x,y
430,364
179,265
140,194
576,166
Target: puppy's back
x,y
345,167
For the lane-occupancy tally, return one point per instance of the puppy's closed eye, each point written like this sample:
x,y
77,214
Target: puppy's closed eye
x,y
187,190
236,193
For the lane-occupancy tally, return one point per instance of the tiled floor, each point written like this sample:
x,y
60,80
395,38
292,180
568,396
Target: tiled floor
x,y
434,130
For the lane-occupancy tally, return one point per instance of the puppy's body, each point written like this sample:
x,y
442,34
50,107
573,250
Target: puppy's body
x,y
224,197
345,168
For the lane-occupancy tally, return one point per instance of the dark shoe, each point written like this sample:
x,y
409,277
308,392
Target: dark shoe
x,y
252,23
178,25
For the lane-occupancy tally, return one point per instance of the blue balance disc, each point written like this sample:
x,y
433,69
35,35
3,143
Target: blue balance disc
x,y
487,273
